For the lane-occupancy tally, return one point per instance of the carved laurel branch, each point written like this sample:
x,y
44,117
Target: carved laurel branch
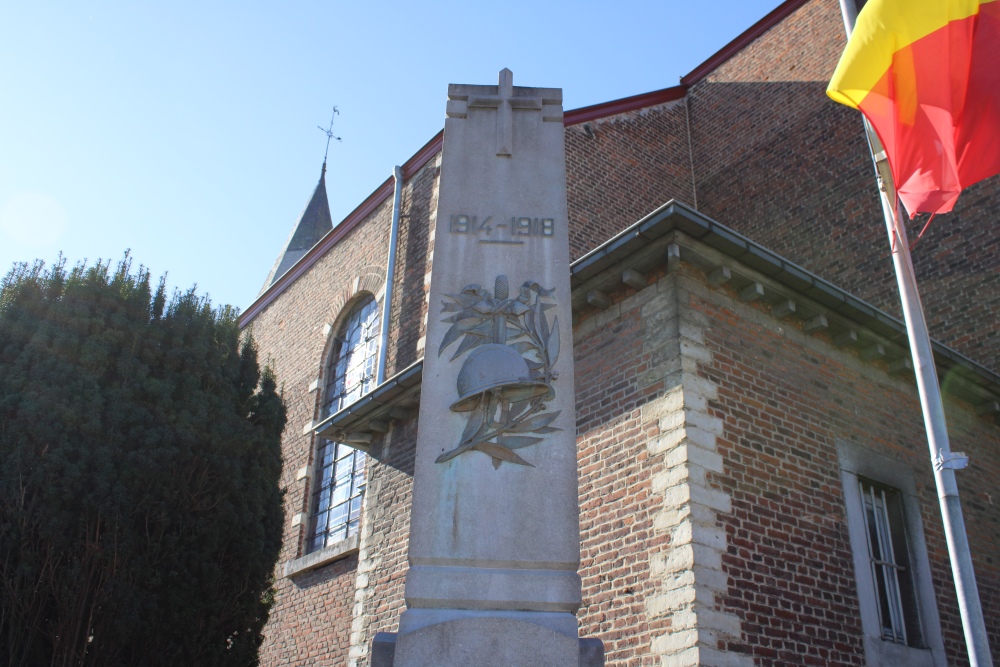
x,y
474,311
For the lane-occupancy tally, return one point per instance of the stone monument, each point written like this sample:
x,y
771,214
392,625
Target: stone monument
x,y
494,534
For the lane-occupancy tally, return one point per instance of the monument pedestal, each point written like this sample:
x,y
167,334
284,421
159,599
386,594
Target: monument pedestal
x,y
494,531
589,651
513,640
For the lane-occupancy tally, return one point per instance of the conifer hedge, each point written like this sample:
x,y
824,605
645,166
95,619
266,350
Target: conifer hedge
x,y
140,513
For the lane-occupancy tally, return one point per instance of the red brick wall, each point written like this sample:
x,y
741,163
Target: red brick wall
x,y
409,303
387,534
311,621
616,503
625,166
785,401
781,163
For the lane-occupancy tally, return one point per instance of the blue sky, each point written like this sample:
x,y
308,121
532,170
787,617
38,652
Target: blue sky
x,y
187,131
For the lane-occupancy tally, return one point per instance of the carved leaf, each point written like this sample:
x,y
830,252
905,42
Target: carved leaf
x,y
517,441
475,423
535,423
502,453
548,429
465,300
453,334
470,341
518,409
496,463
553,343
485,329
518,308
543,323
529,320
521,333
449,455
524,346
465,315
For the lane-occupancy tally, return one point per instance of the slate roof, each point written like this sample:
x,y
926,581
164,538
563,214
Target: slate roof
x,y
313,225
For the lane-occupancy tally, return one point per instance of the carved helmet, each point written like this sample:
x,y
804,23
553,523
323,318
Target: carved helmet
x,y
495,367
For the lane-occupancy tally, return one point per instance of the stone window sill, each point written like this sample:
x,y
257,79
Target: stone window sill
x,y
324,556
881,652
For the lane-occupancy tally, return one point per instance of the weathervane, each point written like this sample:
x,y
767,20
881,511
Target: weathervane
x,y
329,134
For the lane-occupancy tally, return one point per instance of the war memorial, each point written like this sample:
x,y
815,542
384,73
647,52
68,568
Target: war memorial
x,y
628,385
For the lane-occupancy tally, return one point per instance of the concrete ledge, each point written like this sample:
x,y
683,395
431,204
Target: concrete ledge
x,y
322,557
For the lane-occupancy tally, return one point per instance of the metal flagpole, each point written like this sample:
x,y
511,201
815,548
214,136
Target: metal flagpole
x,y
944,461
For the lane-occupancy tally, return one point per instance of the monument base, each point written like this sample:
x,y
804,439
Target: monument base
x,y
485,642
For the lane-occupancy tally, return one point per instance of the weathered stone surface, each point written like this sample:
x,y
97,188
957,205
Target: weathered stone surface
x,y
383,649
495,518
486,642
591,651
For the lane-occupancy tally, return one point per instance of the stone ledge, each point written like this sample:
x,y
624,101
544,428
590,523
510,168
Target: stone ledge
x,y
322,557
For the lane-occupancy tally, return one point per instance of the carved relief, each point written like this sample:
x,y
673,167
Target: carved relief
x,y
508,375
512,230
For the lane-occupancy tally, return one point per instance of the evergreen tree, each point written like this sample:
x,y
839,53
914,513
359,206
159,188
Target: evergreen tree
x,y
140,514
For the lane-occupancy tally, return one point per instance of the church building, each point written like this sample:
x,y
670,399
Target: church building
x,y
755,486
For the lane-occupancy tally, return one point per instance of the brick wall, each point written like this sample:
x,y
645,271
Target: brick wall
x,y
712,520
621,167
311,619
712,512
311,622
616,374
651,543
409,308
384,536
781,163
785,399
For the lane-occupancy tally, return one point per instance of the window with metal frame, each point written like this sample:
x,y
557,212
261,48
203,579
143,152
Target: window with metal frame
x,y
888,554
340,469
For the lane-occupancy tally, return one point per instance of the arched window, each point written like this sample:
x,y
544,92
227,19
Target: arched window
x,y
340,469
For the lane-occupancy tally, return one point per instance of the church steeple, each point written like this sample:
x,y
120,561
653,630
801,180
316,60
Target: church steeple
x,y
313,225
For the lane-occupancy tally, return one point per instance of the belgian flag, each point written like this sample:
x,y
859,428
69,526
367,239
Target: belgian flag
x,y
926,74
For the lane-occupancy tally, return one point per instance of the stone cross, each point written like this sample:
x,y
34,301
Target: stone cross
x,y
505,101
494,531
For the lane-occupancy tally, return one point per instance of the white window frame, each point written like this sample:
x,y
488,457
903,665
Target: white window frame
x,y
856,465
